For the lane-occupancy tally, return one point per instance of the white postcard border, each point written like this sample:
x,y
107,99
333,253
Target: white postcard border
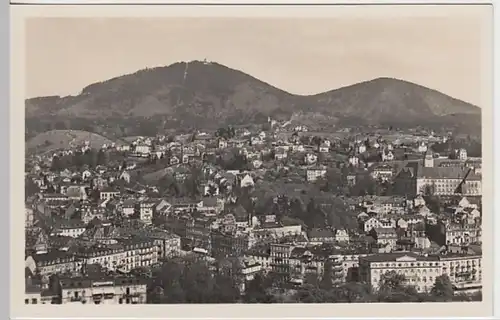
x,y
298,311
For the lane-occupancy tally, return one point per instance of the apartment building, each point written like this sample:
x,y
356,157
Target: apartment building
x,y
419,271
124,256
53,262
315,173
103,290
34,293
464,270
69,228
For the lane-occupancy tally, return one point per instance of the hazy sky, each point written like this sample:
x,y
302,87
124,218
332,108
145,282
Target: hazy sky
x,y
302,56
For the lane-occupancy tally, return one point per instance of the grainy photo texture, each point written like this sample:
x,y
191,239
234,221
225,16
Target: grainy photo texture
x,y
253,160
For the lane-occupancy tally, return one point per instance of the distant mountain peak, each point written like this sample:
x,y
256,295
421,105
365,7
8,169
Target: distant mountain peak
x,y
388,82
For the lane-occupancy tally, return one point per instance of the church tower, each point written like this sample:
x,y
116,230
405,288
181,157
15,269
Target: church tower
x,y
429,159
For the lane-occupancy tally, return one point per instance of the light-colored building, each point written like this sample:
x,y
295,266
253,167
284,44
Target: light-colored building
x,y
385,236
128,207
70,228
146,212
324,148
108,194
462,154
262,257
387,155
310,158
276,230
315,173
298,148
354,161
350,264
256,141
383,173
419,271
103,290
341,235
464,270
416,178
280,154
211,189
250,267
257,164
384,204
247,181
169,244
29,217
53,262
222,143
422,148
461,233
143,149
124,256
374,223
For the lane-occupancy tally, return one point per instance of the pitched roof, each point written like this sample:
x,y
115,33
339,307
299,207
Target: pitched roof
x,y
321,233
100,231
240,213
297,252
385,231
209,202
394,256
69,224
52,256
27,273
109,189
183,201
442,172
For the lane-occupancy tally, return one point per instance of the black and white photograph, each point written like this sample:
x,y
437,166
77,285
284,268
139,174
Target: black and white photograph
x,y
256,160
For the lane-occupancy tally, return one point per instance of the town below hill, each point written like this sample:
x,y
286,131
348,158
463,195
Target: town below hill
x,y
273,212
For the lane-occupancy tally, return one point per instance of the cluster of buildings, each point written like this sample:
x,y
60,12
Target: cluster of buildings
x,y
110,218
90,288
444,178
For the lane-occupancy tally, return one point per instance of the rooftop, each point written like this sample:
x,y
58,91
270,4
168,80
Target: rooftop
x,y
52,256
321,233
398,256
100,280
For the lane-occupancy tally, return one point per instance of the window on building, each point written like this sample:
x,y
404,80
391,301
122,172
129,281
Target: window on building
x,y
26,301
34,301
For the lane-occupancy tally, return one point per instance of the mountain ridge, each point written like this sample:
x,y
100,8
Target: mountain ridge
x,y
190,93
